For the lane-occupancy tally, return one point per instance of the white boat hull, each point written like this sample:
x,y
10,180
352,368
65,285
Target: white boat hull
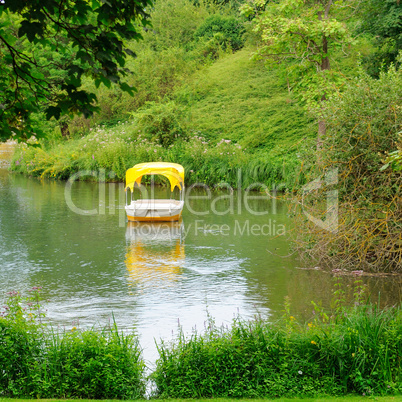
x,y
154,210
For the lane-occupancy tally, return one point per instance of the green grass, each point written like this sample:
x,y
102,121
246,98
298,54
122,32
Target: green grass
x,y
396,398
241,100
349,350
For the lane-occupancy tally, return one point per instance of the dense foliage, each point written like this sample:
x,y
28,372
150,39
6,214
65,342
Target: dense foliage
x,y
227,30
382,19
185,94
37,362
350,350
364,123
80,38
20,358
304,36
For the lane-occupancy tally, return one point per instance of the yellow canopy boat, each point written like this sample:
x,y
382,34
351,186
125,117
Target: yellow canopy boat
x,y
148,209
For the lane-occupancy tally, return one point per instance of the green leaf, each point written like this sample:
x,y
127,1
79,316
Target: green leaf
x,y
31,30
127,88
53,111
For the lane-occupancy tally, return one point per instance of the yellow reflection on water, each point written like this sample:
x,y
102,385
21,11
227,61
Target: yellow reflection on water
x,y
155,253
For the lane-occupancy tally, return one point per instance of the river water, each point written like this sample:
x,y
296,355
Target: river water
x,y
229,255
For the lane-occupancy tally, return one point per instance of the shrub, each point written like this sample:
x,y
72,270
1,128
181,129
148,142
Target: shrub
x,y
161,122
94,365
21,356
226,30
36,362
354,350
363,124
21,352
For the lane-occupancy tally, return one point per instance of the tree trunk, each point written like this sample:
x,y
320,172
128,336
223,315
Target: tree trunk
x,y
65,132
322,127
325,61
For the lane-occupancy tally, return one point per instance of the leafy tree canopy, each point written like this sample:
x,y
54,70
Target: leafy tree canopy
x,y
226,28
48,46
303,33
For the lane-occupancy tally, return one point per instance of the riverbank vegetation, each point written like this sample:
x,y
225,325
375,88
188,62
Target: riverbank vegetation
x,y
224,110
41,362
345,351
194,77
396,398
364,124
354,398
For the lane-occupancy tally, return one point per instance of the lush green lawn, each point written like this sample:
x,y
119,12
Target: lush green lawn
x,y
397,398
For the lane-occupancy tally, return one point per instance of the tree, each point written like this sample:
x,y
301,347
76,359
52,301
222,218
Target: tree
x,y
303,33
383,19
48,46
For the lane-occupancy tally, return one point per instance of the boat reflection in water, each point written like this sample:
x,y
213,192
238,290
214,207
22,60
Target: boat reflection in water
x,y
155,253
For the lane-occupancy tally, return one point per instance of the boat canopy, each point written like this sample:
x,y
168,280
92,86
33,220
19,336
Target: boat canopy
x,y
172,171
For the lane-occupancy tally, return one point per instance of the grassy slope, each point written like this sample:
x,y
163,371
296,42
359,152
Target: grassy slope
x,y
239,99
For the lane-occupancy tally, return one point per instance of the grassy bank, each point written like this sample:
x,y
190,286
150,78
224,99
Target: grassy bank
x,y
346,351
121,147
353,351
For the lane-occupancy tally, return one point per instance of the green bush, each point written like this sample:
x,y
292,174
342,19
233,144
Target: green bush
x,y
94,365
37,362
161,122
382,19
21,358
228,31
356,350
